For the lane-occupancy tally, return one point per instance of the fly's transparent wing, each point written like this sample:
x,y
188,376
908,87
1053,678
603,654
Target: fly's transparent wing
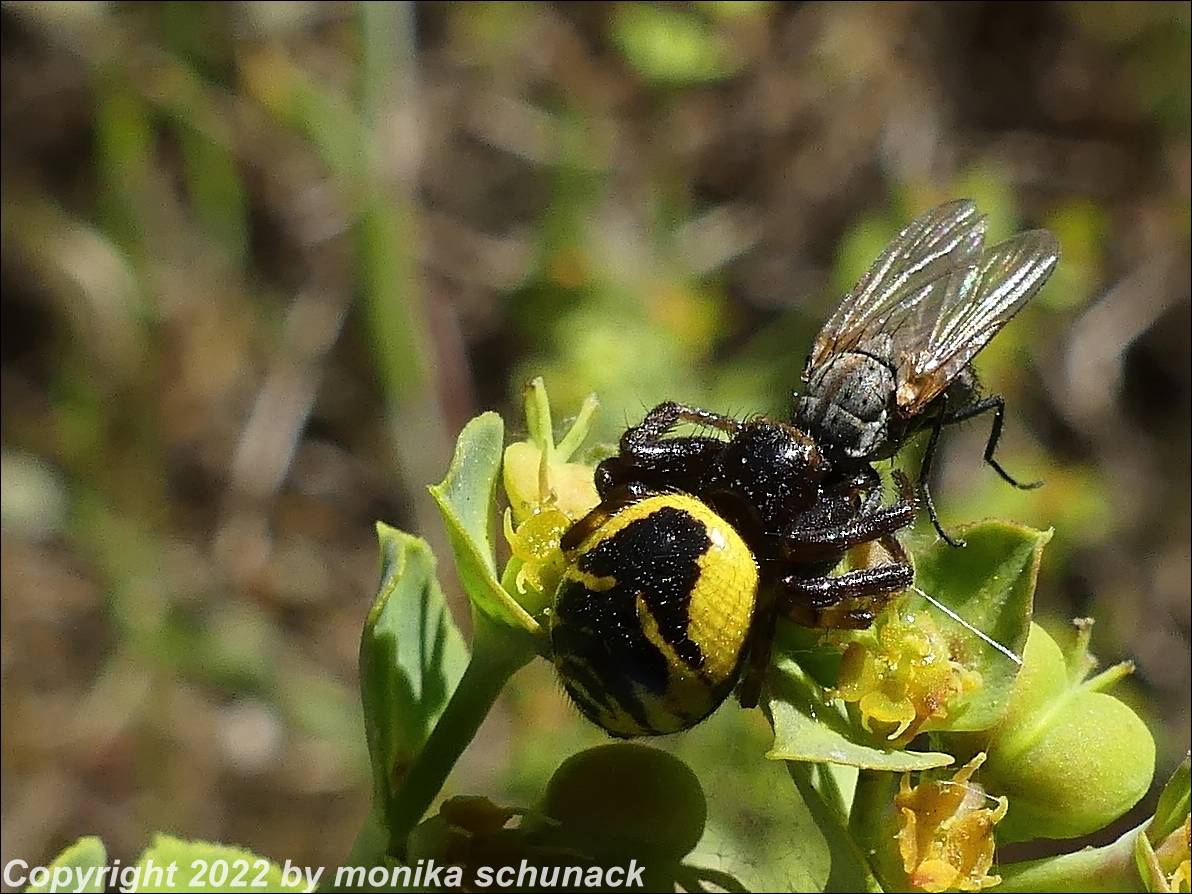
x,y
907,280
978,302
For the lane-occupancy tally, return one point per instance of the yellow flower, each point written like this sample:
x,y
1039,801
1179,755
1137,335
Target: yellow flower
x,y
901,673
535,544
945,832
547,494
535,478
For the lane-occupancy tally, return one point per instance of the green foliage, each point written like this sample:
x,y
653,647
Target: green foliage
x,y
1172,810
411,658
466,498
990,584
669,46
658,809
203,866
1070,757
84,859
981,597
167,864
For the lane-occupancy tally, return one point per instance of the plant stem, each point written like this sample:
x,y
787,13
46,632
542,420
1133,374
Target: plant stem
x,y
850,868
1108,868
871,821
496,656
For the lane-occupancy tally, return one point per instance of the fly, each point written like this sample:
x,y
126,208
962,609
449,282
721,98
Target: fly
x,y
895,358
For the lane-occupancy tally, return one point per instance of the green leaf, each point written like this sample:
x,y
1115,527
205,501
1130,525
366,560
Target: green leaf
x,y
411,658
990,583
1154,879
1172,810
785,849
204,866
809,727
84,861
789,839
466,498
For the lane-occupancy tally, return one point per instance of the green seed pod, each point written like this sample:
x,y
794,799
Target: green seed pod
x,y
530,485
1070,758
626,799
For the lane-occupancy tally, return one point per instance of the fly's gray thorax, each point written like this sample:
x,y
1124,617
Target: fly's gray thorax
x,y
846,405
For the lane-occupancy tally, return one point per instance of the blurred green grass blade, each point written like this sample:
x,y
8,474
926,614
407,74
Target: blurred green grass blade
x,y
216,193
411,657
297,100
990,583
395,322
124,158
85,859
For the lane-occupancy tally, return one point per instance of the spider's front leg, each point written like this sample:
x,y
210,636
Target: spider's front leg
x,y
646,452
810,541
808,597
807,601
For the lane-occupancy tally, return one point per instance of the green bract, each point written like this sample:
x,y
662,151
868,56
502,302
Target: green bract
x,y
1070,757
411,658
990,583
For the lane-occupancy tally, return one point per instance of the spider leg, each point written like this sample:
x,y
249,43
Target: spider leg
x,y
814,594
664,417
808,542
997,403
872,523
646,451
758,660
810,596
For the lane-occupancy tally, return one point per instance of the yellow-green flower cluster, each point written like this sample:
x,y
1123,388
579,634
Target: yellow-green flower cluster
x,y
901,673
547,493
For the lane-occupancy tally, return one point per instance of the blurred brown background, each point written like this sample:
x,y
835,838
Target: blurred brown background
x,y
261,261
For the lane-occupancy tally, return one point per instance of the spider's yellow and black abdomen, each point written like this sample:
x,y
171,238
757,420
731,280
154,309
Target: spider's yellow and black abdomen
x,y
652,615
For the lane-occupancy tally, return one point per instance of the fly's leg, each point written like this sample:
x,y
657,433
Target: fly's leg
x,y
997,404
925,471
